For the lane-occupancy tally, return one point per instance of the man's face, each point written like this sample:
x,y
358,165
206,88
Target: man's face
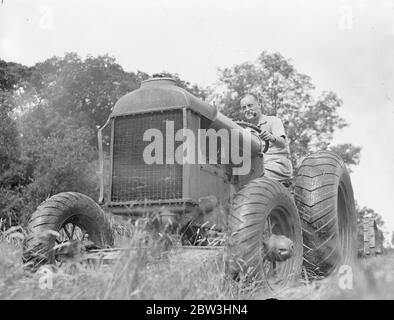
x,y
250,108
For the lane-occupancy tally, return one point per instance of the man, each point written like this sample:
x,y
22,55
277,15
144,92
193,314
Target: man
x,y
277,159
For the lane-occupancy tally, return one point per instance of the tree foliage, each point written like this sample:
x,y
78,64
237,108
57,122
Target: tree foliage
x,y
11,201
11,75
83,89
349,153
64,162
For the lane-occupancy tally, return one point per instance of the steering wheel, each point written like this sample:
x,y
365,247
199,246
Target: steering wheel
x,y
245,124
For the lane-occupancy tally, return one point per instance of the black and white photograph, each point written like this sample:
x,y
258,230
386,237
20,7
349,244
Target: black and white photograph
x,y
225,151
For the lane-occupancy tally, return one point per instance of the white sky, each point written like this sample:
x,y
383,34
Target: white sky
x,y
345,46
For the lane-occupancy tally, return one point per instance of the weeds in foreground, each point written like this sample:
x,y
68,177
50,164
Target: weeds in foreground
x,y
148,268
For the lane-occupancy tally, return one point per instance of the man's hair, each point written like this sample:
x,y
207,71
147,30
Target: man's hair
x,y
252,95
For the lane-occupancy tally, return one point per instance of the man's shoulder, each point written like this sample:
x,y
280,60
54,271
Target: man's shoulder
x,y
270,120
275,118
274,125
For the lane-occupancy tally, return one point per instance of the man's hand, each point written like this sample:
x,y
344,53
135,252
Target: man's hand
x,y
265,135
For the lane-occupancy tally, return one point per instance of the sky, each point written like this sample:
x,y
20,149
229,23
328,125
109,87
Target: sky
x,y
346,46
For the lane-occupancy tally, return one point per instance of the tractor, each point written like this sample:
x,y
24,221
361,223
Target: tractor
x,y
273,228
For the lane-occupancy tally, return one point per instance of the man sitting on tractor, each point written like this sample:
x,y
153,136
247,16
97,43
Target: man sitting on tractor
x,y
276,161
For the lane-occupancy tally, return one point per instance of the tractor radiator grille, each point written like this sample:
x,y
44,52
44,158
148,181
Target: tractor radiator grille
x,y
132,178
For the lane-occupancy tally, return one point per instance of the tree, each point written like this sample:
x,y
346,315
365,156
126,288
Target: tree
x,y
288,94
349,153
11,75
63,162
83,89
11,170
9,148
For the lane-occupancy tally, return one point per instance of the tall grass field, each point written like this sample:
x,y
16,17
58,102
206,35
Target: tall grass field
x,y
155,270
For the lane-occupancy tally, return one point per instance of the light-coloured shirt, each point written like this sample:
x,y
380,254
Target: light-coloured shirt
x,y
277,159
274,126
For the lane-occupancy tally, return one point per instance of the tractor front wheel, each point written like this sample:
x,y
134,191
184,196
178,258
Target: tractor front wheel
x,y
262,210
65,218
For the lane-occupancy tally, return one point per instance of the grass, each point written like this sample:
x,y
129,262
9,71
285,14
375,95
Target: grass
x,y
372,278
159,273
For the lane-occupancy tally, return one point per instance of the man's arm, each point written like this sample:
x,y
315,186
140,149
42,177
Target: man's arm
x,y
278,135
278,141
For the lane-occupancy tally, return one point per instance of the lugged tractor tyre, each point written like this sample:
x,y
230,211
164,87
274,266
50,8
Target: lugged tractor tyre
x,y
261,200
325,202
54,213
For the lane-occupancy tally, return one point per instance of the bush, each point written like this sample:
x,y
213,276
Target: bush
x,y
63,162
11,208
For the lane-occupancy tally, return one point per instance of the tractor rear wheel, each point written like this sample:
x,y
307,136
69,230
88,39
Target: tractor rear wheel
x,y
67,217
263,208
325,202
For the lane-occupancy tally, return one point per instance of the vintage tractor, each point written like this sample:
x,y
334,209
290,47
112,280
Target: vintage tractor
x,y
273,228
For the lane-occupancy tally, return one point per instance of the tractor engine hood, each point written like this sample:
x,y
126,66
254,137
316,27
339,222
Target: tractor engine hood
x,y
160,94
